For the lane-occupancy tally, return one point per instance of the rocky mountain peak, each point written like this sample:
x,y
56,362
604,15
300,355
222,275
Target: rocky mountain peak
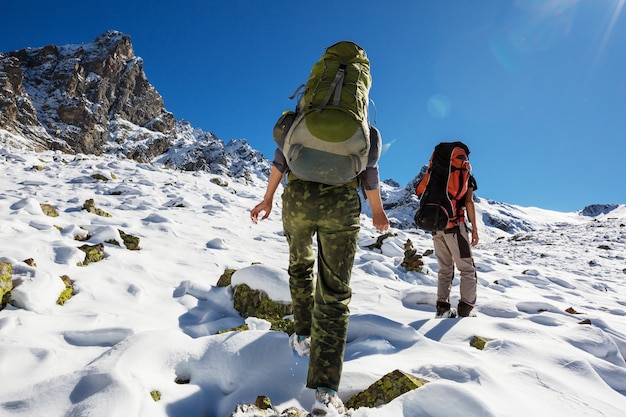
x,y
94,98
85,98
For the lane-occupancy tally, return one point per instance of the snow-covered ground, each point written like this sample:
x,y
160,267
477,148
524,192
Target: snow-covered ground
x,y
146,320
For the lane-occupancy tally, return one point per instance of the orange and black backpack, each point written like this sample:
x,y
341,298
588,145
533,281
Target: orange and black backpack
x,y
442,189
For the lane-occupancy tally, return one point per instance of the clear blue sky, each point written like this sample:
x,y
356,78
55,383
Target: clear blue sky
x,y
537,89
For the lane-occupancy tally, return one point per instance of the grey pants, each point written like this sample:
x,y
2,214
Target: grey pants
x,y
320,306
452,247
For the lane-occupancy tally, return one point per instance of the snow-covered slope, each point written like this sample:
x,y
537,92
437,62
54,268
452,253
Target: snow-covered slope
x,y
550,303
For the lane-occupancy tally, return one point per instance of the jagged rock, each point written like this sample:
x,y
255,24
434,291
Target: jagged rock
x,y
401,204
84,98
94,98
597,209
6,282
384,390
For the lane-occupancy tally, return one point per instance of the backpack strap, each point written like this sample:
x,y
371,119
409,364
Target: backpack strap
x,y
335,87
295,93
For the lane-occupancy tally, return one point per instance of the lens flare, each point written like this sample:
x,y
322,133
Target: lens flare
x,y
439,106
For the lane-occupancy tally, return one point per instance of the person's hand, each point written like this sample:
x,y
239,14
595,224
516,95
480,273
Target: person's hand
x,y
380,220
474,236
264,206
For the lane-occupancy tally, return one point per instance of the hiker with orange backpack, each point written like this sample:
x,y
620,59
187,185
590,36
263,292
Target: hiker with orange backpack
x,y
446,194
326,150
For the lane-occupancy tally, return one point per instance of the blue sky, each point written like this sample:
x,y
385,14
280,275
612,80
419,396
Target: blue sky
x,y
537,89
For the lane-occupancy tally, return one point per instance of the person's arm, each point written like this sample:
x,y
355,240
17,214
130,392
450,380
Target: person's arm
x,y
379,217
268,200
471,214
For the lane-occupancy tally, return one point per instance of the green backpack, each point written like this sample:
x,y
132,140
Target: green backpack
x,y
327,138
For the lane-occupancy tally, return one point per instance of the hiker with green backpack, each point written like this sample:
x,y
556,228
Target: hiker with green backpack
x,y
326,150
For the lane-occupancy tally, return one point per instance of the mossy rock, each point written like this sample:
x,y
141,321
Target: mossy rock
x,y
65,295
241,328
68,292
219,181
385,389
156,395
90,206
256,303
131,242
6,283
93,253
49,210
478,342
225,278
99,177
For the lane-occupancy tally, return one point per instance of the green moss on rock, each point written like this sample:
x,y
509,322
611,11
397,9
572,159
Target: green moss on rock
x,y
90,206
224,279
65,295
156,395
99,177
385,389
219,181
68,292
49,210
478,342
6,283
93,253
131,242
253,303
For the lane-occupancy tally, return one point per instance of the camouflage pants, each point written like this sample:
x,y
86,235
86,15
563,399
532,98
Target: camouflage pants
x,y
321,307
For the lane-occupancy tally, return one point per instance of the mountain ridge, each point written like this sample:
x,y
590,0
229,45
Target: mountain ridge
x,y
95,98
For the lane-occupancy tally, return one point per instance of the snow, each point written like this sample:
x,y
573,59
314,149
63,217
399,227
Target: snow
x,y
148,319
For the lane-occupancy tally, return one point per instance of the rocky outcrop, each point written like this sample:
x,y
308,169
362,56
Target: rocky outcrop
x,y
89,98
95,98
598,209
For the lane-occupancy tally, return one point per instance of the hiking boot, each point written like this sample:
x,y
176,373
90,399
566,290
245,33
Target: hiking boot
x,y
465,309
444,311
327,404
300,344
